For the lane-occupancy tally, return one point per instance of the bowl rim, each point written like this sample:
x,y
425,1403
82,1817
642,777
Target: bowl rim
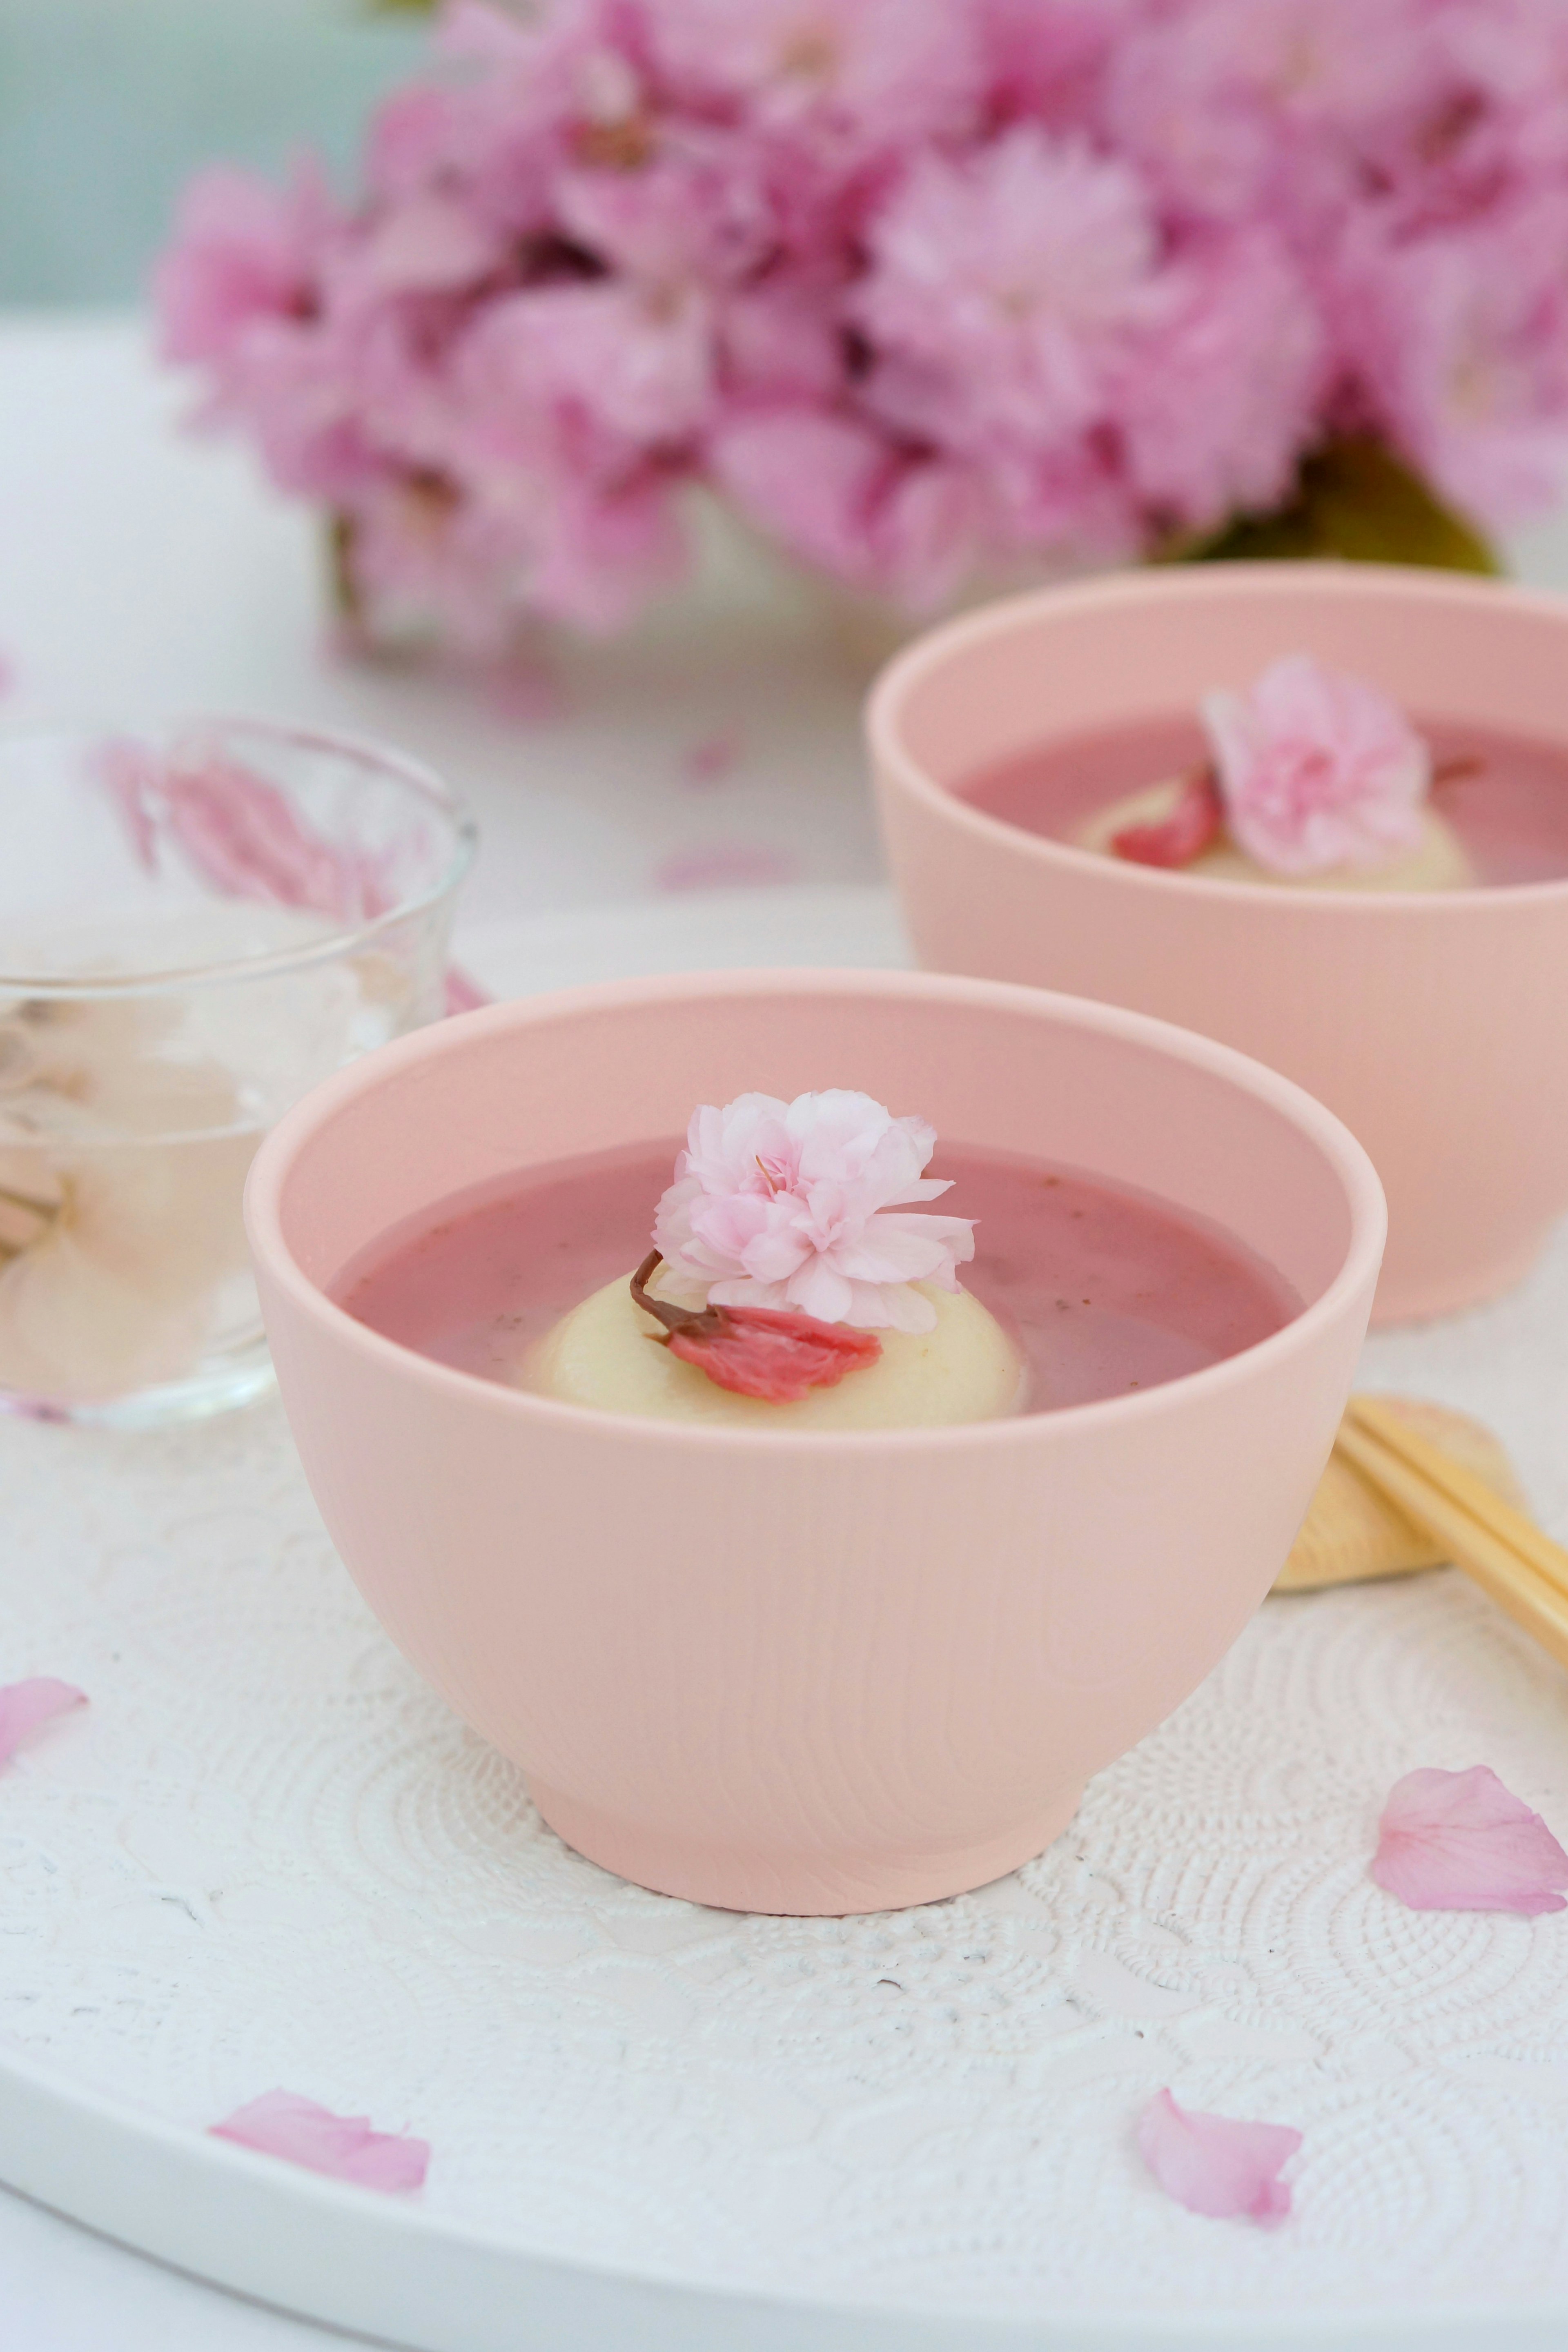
x,y
1334,580
427,783
282,1146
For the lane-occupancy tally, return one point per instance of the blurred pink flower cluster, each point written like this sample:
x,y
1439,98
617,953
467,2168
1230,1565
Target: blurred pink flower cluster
x,y
922,288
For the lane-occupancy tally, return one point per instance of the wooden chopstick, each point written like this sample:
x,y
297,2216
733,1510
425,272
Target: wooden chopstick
x,y
1462,1487
1482,1542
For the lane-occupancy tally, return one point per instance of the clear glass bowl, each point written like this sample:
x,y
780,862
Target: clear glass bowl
x,y
197,924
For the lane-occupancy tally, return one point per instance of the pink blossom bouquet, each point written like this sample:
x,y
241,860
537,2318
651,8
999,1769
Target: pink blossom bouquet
x,y
927,290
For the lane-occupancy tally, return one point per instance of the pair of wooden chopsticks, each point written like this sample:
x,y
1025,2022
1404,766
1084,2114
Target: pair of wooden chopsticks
x,y
1506,1553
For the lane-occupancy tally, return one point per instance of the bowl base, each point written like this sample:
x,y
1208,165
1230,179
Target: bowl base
x,y
802,1886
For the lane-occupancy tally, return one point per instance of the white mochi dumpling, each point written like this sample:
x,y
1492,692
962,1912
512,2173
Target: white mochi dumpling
x,y
1437,862
605,1355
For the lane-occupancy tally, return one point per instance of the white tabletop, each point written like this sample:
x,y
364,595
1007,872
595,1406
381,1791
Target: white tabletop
x,y
142,572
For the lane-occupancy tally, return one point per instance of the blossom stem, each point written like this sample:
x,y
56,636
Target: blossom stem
x,y
704,1322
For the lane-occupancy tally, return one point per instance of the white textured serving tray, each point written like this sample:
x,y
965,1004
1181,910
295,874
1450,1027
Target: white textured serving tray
x,y
266,1856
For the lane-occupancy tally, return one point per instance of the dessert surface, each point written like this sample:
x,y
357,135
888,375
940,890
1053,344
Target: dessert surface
x,y
1498,811
1100,1290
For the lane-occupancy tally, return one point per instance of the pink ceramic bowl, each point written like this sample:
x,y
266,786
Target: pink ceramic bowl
x,y
806,1672
1432,1025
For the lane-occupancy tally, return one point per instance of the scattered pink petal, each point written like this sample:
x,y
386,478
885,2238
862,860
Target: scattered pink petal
x,y
1192,826
529,694
464,994
1461,1841
782,1357
712,757
726,865
344,2148
26,1707
1215,2165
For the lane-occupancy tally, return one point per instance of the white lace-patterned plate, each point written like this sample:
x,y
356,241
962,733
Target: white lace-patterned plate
x,y
266,1856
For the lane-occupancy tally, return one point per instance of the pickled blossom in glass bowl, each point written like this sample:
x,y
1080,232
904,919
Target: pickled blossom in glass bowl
x,y
198,925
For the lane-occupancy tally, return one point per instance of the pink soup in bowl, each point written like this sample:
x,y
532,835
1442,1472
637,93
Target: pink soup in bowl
x,y
803,1669
1432,1021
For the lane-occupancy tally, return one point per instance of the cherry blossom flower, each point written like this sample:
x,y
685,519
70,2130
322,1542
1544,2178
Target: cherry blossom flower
x,y
799,1206
923,289
1461,337
344,2148
1461,1842
1215,399
243,252
1214,2166
1317,770
26,1707
876,69
1005,281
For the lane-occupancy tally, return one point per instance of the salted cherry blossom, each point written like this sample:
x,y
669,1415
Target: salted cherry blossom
x,y
805,1206
1461,1842
1316,769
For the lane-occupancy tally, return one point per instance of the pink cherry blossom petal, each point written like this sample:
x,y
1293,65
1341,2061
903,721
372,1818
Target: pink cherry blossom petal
x,y
247,838
343,2147
1215,2165
712,757
463,993
26,1707
1461,1842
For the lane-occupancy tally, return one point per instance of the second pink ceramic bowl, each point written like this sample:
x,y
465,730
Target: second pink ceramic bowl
x,y
1432,1025
805,1671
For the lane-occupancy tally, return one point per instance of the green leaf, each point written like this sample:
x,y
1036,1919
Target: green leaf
x,y
1353,498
